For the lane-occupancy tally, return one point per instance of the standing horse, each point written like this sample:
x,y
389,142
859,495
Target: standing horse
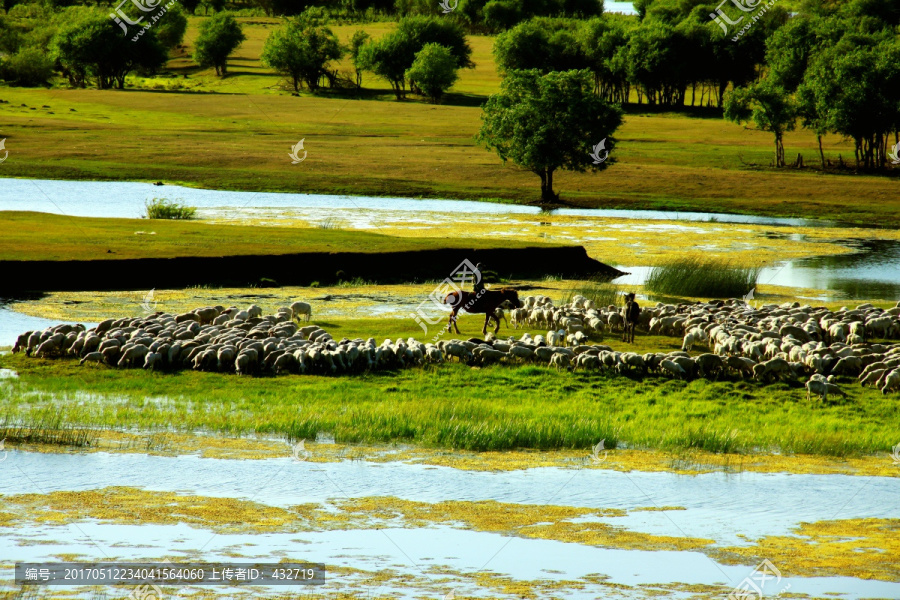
x,y
485,302
630,313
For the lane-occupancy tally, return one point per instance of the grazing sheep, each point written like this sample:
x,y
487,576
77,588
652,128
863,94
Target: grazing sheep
x,y
560,361
891,382
692,337
821,387
299,309
673,369
188,316
96,357
207,314
709,364
152,360
615,320
774,368
133,354
849,365
521,352
246,362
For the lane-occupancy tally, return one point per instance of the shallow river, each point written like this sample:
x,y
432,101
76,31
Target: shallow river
x,y
872,271
721,507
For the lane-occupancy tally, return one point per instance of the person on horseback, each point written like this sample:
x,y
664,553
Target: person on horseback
x,y
478,281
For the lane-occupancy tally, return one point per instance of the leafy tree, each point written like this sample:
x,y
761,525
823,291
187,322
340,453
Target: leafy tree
x,y
654,63
789,50
546,122
433,71
769,106
359,39
392,55
90,44
219,37
215,5
302,52
500,15
170,30
386,58
541,43
852,88
28,67
418,31
191,5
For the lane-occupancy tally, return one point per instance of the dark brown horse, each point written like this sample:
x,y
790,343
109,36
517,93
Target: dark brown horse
x,y
630,314
484,302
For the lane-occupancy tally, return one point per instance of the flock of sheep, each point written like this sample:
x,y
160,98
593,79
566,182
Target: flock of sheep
x,y
773,342
766,343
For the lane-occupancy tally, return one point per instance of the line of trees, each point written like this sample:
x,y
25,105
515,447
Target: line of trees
x,y
830,69
424,53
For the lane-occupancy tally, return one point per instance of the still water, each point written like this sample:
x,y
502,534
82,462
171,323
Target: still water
x,y
718,506
871,271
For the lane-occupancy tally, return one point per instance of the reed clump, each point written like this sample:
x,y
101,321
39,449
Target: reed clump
x,y
702,277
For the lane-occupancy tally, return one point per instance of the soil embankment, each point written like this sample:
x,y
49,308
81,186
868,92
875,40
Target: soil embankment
x,y
294,269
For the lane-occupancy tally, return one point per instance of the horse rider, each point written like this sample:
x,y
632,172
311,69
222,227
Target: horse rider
x,y
478,283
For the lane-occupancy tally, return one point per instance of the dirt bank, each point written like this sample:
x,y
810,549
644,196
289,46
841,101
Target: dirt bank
x,y
293,269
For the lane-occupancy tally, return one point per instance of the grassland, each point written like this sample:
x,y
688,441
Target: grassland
x,y
455,406
235,134
40,236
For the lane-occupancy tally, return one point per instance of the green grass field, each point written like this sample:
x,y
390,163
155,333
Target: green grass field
x,y
41,236
236,134
455,406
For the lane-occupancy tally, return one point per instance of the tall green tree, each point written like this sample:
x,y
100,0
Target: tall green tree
x,y
541,43
171,28
302,52
359,39
853,89
547,122
91,45
768,106
220,35
392,55
433,71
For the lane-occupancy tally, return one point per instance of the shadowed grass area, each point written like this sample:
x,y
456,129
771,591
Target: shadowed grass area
x,y
456,406
704,277
42,236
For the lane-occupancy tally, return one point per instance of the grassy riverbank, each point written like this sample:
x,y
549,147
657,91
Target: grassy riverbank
x,y
42,236
188,126
454,406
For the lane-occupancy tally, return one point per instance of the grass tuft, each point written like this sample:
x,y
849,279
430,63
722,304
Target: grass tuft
x,y
162,208
702,277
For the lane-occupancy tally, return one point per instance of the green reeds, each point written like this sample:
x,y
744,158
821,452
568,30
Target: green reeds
x,y
702,277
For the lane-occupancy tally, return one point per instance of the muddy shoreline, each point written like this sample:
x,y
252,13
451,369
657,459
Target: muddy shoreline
x,y
294,269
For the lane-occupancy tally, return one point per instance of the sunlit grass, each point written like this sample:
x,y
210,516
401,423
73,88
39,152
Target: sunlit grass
x,y
455,406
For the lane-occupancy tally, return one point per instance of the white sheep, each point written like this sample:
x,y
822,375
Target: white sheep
x,y
301,308
560,361
891,381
